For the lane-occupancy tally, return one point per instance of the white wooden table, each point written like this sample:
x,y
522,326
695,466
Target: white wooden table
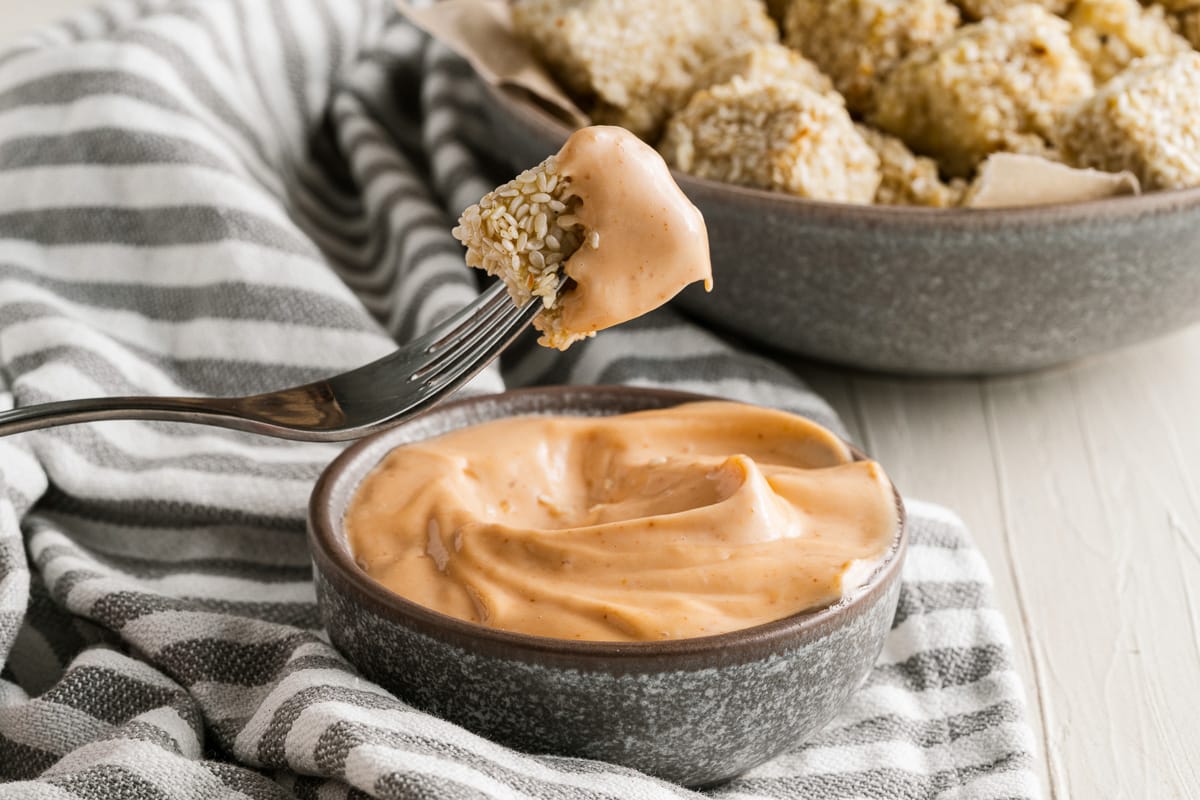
x,y
1082,486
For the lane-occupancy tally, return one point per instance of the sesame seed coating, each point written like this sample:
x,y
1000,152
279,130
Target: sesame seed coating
x,y
994,85
780,136
523,232
1145,120
1111,34
634,61
858,42
770,62
908,179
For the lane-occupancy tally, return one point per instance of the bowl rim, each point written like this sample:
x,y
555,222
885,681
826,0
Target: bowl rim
x,y
534,115
742,644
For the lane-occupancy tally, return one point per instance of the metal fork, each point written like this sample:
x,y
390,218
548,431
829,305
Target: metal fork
x,y
373,397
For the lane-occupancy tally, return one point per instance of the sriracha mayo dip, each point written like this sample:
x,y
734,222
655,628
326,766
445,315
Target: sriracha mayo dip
x,y
666,524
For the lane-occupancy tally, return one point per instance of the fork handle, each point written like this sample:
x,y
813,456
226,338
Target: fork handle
x,y
68,412
304,413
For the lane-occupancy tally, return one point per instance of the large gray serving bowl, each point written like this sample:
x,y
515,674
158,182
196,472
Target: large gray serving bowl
x,y
693,711
933,291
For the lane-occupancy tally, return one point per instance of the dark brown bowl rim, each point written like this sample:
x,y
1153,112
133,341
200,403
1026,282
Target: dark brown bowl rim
x,y
1156,202
754,641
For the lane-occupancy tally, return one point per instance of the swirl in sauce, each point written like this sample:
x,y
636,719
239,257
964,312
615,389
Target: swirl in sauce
x,y
689,521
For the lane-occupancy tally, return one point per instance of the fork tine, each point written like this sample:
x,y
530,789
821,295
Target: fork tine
x,y
498,326
358,402
465,318
451,379
450,348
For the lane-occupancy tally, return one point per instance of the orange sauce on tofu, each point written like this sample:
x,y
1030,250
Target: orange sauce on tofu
x,y
644,240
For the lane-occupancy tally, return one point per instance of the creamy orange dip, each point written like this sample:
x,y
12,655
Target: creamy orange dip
x,y
689,521
643,239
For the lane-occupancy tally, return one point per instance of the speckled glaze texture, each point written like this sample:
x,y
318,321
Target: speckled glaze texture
x,y
926,290
693,711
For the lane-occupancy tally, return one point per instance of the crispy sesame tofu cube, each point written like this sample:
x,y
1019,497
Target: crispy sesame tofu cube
x,y
1111,34
1145,120
780,136
771,62
994,85
858,42
634,61
523,232
908,179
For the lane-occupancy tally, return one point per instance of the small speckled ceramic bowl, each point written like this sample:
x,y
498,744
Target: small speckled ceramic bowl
x,y
693,711
920,290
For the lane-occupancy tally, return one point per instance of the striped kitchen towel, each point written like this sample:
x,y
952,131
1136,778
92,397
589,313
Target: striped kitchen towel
x,y
230,196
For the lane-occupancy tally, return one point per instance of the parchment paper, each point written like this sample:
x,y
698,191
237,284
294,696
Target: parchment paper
x,y
481,32
1012,179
